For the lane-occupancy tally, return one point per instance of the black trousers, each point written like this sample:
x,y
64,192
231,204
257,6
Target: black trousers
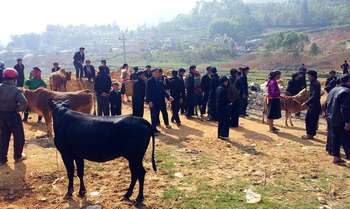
x,y
155,110
78,70
191,99
311,120
175,108
102,105
116,110
212,108
138,109
26,115
223,126
183,105
11,124
244,106
204,104
234,111
337,137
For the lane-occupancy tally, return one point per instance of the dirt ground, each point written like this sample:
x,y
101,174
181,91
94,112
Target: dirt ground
x,y
196,170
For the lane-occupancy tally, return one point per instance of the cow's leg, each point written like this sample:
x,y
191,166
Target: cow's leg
x,y
132,167
80,172
48,122
69,164
286,121
290,119
141,177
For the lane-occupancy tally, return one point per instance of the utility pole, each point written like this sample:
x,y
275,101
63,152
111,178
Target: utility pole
x,y
124,47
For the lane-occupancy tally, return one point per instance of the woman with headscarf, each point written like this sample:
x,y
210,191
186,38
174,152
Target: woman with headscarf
x,y
274,102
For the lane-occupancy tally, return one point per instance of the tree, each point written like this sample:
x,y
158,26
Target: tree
x,y
314,49
221,27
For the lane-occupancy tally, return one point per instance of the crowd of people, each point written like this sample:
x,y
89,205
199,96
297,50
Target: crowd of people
x,y
209,97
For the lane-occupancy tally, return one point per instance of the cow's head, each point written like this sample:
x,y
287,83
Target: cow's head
x,y
58,104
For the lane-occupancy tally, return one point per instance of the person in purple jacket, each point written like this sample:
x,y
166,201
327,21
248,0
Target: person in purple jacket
x,y
274,102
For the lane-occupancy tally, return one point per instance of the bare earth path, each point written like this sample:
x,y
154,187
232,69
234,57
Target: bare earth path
x,y
196,170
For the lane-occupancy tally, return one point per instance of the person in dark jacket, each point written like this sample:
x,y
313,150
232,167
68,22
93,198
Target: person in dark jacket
x,y
19,67
332,81
234,97
302,80
104,68
148,71
139,93
102,86
115,99
133,75
214,83
313,105
345,67
338,120
56,67
12,101
190,87
293,87
222,108
2,68
155,97
244,90
183,105
177,92
89,71
79,58
205,85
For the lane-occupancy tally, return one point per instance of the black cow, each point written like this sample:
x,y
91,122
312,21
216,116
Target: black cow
x,y
80,136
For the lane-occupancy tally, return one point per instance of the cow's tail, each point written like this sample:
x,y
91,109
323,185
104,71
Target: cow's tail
x,y
153,152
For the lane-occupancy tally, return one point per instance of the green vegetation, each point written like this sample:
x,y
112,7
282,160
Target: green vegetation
x,y
314,49
292,42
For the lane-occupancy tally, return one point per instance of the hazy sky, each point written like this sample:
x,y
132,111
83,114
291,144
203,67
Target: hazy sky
x,y
22,16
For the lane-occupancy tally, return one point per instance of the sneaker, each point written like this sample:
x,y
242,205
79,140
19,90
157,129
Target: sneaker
x,y
21,158
179,124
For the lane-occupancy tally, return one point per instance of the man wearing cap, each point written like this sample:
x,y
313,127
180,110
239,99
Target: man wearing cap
x,y
19,67
12,101
155,97
55,68
138,97
79,58
102,86
34,83
313,105
338,120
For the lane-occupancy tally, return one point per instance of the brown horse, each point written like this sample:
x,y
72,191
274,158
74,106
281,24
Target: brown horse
x,y
290,104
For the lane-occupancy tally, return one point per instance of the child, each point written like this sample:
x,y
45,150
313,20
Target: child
x,y
222,108
34,83
115,100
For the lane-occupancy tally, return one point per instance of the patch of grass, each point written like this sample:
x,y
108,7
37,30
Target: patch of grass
x,y
166,163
